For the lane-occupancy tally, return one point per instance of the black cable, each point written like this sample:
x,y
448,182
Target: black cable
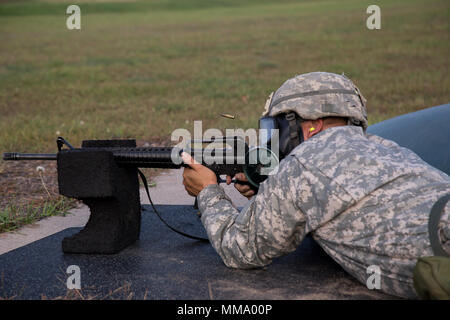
x,y
144,181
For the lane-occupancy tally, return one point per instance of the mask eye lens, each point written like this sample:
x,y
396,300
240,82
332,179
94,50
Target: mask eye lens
x,y
267,125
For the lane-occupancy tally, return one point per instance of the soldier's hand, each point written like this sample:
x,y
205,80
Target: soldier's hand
x,y
243,188
196,177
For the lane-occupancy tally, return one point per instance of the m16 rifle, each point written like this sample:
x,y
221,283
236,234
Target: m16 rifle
x,y
104,175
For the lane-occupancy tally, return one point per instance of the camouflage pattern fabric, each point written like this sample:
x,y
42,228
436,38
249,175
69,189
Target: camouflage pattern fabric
x,y
364,199
317,95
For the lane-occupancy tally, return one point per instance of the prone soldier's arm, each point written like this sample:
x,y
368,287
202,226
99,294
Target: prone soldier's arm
x,y
269,226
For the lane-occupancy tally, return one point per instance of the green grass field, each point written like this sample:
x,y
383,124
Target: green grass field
x,y
144,68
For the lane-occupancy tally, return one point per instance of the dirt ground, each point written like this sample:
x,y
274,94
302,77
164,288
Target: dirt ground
x,y
21,183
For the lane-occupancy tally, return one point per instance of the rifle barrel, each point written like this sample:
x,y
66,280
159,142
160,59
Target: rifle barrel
x,y
29,156
154,157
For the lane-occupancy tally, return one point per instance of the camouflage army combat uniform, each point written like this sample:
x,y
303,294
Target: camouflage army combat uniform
x,y
364,199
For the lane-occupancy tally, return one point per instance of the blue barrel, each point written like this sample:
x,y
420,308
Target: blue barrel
x,y
426,132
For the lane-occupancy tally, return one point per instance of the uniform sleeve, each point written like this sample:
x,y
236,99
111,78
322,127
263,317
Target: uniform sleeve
x,y
269,226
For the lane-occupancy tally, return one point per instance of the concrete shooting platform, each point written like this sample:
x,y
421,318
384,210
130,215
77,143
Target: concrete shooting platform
x,y
165,265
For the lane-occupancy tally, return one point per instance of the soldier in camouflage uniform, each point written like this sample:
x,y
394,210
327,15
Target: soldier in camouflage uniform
x,y
365,200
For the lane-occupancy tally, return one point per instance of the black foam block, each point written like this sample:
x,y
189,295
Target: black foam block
x,y
110,191
86,173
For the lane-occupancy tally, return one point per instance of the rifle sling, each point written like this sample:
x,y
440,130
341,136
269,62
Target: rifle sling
x,y
144,181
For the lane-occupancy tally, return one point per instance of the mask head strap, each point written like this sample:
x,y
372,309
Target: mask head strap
x,y
294,138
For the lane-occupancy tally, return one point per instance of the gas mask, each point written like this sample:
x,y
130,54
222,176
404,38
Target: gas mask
x,y
281,133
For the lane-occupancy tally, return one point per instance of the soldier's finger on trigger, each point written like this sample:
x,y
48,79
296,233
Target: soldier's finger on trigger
x,y
242,187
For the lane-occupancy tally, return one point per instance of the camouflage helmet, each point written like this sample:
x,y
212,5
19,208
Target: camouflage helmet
x,y
319,94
